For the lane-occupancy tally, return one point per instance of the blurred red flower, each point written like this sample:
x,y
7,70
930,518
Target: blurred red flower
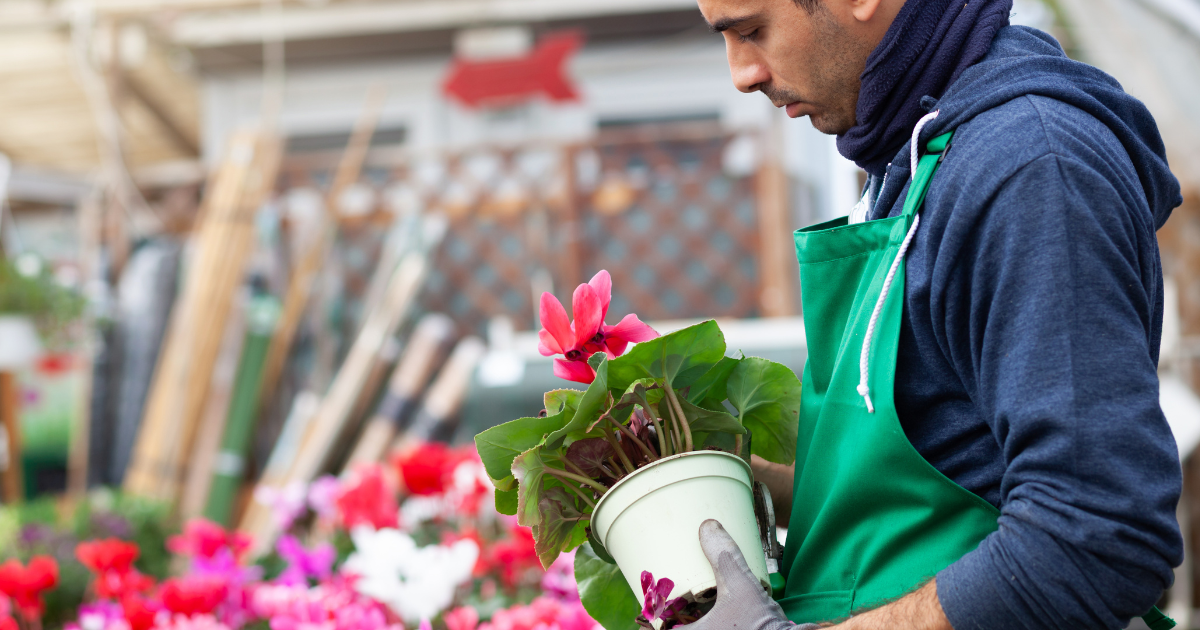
x,y
25,584
512,557
139,611
112,562
428,468
203,538
192,595
368,501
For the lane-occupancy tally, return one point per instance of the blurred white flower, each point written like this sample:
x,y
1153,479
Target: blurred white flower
x,y
415,582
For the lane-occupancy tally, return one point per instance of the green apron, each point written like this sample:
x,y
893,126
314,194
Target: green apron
x,y
871,519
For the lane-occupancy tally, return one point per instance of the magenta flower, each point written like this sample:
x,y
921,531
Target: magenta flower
x,y
656,605
577,341
302,563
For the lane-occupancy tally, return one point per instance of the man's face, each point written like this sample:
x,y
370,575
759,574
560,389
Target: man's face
x,y
808,62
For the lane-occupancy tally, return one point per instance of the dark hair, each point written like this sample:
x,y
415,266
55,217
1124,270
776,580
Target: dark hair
x,y
809,5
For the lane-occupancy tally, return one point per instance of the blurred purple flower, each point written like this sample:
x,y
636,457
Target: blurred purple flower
x,y
302,563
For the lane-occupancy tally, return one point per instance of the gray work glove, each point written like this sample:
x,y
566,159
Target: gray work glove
x,y
742,602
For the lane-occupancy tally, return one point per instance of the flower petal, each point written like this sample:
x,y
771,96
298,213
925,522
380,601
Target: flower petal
x,y
555,321
547,344
664,587
578,371
585,306
615,347
630,328
602,283
647,581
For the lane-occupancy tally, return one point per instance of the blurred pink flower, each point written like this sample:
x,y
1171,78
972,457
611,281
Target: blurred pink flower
x,y
559,580
193,622
461,618
543,613
203,539
286,504
322,496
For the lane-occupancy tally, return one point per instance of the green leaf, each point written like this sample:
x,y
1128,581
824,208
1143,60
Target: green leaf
x,y
767,398
529,469
709,421
709,390
506,502
558,399
499,445
505,484
604,592
644,392
598,548
681,357
559,519
591,404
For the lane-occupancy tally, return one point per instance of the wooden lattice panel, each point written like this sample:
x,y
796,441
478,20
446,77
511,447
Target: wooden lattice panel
x,y
678,235
681,240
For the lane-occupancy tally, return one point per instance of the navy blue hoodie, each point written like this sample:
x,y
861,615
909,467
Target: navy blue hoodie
x,y
1026,369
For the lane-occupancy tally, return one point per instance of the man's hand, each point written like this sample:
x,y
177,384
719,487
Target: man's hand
x,y
742,603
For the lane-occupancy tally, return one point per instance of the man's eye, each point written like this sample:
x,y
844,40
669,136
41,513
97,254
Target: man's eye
x,y
748,37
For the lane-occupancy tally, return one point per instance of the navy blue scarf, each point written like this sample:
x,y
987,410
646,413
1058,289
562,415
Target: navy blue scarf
x,y
924,51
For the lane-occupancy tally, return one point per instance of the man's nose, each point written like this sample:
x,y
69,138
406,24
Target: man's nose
x,y
748,71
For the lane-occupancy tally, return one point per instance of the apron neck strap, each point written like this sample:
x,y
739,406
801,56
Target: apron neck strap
x,y
922,173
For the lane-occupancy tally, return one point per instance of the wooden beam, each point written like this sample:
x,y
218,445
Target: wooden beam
x,y
178,136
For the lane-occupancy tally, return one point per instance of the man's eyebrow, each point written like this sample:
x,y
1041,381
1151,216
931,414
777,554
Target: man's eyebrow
x,y
725,24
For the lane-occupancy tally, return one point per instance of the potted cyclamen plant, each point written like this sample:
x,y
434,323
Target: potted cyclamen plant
x,y
657,443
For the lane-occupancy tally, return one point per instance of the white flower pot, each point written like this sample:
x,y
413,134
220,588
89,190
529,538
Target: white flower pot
x,y
19,342
650,520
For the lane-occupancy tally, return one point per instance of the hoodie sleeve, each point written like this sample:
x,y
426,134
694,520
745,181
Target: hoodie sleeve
x,y
1052,332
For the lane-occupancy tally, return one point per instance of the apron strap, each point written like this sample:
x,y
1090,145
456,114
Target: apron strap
x,y
1157,620
922,173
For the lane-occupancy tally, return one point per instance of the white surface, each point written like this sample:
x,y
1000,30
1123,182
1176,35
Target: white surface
x,y
1182,408
19,342
650,521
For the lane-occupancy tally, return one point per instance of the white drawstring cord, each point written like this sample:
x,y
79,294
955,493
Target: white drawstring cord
x,y
864,360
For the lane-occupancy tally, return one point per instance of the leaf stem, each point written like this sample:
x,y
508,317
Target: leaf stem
x,y
737,445
687,429
662,439
636,440
582,495
676,442
612,439
562,474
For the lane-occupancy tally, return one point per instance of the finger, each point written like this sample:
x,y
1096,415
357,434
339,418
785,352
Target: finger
x,y
732,573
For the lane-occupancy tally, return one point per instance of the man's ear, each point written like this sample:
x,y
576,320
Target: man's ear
x,y
865,10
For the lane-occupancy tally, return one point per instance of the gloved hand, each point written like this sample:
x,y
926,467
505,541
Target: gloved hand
x,y
742,602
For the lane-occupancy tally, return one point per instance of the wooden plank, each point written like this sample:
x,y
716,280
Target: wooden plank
x,y
216,409
421,357
182,381
775,261
11,478
304,275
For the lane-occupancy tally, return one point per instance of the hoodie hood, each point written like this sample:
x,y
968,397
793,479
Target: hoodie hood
x,y
1025,61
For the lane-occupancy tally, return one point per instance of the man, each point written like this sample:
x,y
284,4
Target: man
x,y
981,444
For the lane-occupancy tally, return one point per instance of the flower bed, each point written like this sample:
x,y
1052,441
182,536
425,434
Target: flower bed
x,y
415,544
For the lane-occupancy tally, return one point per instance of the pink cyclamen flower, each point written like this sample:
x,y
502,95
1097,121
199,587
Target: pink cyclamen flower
x,y
577,341
655,603
613,340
